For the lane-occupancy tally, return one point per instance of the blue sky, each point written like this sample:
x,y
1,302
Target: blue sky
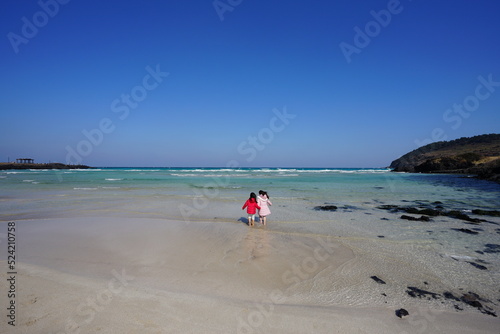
x,y
260,83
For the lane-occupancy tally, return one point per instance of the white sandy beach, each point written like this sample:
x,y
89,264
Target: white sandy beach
x,y
115,275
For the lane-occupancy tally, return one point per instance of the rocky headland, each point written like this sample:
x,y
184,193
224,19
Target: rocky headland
x,y
478,155
54,165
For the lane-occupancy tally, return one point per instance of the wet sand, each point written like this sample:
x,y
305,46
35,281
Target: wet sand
x,y
118,275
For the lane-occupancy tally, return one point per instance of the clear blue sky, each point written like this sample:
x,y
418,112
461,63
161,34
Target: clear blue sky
x,y
345,98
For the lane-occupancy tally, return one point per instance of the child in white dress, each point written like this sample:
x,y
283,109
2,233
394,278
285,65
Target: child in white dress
x,y
264,202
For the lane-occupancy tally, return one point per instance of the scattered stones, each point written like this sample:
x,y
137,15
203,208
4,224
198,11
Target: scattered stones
x,y
465,230
380,236
471,299
378,280
402,313
432,212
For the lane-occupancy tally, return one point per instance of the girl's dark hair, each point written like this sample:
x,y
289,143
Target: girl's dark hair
x,y
252,195
262,192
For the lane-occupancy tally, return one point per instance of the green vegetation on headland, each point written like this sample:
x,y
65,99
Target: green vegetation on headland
x,y
54,165
479,155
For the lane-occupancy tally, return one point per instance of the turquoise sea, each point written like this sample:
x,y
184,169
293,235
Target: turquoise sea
x,y
216,194
446,253
345,186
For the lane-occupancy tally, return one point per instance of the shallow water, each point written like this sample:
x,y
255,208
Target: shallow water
x,y
403,253
45,191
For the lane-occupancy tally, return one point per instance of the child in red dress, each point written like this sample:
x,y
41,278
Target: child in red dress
x,y
251,205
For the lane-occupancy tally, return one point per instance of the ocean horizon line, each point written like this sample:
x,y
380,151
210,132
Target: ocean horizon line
x,y
233,168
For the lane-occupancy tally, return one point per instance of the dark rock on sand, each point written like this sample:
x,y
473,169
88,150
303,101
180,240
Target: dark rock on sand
x,y
477,265
462,216
431,212
416,292
422,218
492,248
465,230
389,207
493,213
449,295
376,279
428,212
402,313
471,299
325,208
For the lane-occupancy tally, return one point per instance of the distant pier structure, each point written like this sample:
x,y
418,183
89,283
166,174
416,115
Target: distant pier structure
x,y
25,161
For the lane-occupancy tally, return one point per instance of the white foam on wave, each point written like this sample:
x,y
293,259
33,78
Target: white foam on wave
x,y
229,175
87,170
114,179
78,188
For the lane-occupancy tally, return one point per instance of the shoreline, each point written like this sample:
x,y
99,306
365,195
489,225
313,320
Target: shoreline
x,y
147,275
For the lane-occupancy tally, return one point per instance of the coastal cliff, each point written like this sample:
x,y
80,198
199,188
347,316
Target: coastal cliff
x,y
478,155
55,165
